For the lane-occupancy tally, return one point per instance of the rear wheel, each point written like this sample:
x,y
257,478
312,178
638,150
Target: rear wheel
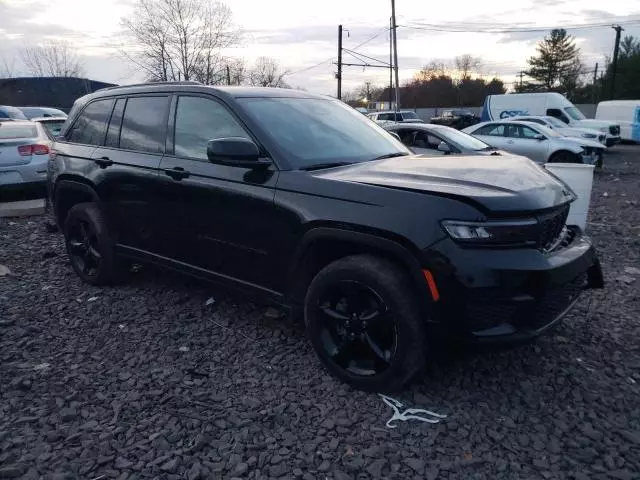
x,y
565,157
363,321
89,245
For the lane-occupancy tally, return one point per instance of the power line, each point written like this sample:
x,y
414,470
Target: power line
x,y
478,28
312,66
374,36
365,56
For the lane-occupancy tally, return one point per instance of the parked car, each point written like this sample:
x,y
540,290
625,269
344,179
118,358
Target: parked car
x,y
458,119
53,124
626,113
560,127
537,142
11,113
381,251
438,140
400,116
499,107
40,112
25,150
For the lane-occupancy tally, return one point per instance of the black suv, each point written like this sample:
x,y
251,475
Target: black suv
x,y
305,202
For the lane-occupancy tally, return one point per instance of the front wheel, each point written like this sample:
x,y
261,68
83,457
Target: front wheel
x,y
565,157
363,321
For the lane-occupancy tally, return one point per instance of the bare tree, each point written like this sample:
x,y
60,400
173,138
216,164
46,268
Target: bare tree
x,y
266,72
181,39
7,68
431,71
466,65
54,58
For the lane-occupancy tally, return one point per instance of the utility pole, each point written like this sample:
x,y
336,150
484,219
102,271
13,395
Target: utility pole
x,y
614,65
595,87
520,75
395,52
339,74
228,75
368,94
390,62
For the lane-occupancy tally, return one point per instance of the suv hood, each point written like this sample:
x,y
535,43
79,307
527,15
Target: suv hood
x,y
506,183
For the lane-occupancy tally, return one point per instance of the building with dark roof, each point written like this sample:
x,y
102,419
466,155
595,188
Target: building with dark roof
x,y
56,92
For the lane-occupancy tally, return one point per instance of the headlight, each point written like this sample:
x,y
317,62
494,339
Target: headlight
x,y
513,232
589,135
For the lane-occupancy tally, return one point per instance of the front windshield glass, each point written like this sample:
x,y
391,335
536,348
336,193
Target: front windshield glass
x,y
316,131
555,122
466,142
574,113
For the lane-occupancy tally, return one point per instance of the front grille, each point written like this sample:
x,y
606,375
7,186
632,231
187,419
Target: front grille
x,y
614,130
550,227
602,138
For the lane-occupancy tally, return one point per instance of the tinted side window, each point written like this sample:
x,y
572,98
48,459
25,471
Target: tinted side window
x,y
113,132
89,127
556,112
199,120
144,124
492,129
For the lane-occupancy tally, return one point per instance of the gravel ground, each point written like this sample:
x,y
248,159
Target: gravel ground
x,y
150,380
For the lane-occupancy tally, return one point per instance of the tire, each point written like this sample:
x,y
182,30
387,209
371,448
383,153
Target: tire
x,y
92,253
565,157
398,327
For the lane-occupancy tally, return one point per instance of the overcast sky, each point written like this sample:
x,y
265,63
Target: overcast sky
x,y
301,34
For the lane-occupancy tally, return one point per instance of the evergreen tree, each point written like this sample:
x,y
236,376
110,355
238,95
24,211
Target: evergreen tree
x,y
557,63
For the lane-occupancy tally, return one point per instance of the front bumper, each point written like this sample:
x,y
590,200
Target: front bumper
x,y
503,296
611,141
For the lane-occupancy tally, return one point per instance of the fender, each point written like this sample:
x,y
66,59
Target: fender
x,y
392,247
77,186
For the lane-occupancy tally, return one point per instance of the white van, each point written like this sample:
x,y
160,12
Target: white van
x,y
499,107
624,112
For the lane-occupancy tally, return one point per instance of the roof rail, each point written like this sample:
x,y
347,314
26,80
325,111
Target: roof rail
x,y
181,82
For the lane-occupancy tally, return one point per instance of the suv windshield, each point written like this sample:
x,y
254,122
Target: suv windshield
x,y
574,113
317,131
467,142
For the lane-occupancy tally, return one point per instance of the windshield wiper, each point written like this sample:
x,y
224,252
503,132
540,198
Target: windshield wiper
x,y
391,155
319,166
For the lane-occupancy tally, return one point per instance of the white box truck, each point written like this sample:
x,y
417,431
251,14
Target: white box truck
x,y
498,107
624,112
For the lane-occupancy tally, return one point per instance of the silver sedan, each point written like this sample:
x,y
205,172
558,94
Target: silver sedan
x,y
25,149
537,142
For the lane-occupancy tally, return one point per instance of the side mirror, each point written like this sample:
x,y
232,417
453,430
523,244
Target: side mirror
x,y
235,152
444,147
539,136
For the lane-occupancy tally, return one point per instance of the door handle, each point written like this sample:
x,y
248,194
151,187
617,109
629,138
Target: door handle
x,y
177,173
103,162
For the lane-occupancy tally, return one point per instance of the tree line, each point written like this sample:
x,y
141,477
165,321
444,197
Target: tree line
x,y
439,83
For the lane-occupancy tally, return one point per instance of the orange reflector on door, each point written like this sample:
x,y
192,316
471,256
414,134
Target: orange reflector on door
x,y
428,276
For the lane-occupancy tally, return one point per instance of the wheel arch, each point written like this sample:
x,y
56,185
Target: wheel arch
x,y
68,192
322,245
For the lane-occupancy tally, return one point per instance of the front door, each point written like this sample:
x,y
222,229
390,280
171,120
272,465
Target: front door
x,y
216,217
522,140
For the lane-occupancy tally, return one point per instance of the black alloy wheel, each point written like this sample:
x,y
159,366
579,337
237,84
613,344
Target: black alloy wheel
x,y
357,328
364,322
82,245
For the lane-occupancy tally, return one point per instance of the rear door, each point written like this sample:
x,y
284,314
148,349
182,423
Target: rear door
x,y
127,178
216,217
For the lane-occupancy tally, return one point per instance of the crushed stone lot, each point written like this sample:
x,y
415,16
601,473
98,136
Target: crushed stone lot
x,y
151,379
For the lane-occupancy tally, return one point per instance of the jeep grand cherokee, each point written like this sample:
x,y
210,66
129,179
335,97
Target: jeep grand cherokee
x,y
302,201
